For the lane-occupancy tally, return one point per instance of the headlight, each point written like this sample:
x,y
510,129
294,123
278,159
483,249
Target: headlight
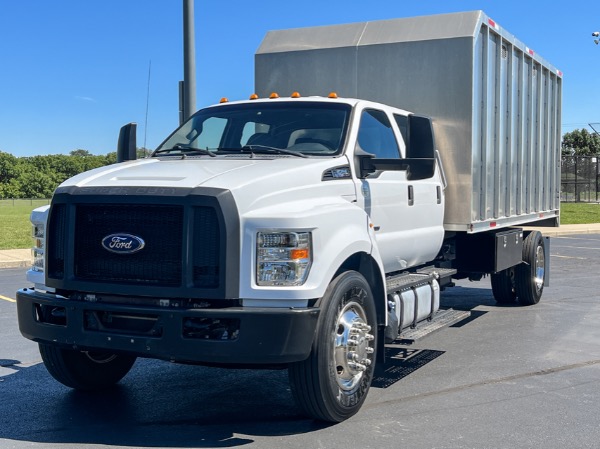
x,y
283,258
39,245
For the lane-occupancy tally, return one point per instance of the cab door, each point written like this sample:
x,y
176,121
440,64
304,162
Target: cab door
x,y
407,216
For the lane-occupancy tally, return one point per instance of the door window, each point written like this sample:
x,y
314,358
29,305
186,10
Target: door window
x,y
375,135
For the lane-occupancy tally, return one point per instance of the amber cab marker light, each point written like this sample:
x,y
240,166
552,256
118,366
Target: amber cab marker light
x,y
296,95
224,100
253,97
274,95
332,95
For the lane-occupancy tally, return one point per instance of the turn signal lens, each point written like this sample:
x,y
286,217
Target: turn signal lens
x,y
299,254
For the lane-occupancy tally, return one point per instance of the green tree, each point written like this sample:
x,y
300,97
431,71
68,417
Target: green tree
x,y
38,176
580,142
110,158
142,152
35,184
10,170
80,153
8,167
10,189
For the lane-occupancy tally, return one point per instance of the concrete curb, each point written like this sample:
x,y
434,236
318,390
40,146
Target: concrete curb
x,y
567,230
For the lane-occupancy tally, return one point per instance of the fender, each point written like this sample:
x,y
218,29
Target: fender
x,y
339,231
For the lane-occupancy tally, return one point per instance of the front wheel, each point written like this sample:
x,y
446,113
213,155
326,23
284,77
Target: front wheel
x,y
333,382
85,370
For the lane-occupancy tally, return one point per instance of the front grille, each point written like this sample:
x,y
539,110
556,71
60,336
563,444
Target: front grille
x,y
206,248
184,244
57,243
161,228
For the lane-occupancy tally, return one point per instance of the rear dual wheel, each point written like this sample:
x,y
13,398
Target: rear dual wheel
x,y
525,281
529,280
503,286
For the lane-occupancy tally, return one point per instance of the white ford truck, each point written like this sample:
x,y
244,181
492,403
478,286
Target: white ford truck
x,y
308,231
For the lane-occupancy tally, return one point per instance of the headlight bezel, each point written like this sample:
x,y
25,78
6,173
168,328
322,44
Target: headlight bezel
x,y
283,257
38,250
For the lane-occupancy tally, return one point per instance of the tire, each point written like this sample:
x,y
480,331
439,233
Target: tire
x,y
333,382
529,276
85,370
503,286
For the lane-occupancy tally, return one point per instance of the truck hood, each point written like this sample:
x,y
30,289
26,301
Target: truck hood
x,y
251,181
158,173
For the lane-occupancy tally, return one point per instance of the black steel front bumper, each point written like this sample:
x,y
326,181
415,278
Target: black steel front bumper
x,y
263,335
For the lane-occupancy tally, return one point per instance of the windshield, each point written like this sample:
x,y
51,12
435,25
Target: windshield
x,y
290,128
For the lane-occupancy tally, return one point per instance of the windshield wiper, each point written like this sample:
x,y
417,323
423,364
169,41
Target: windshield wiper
x,y
185,150
265,149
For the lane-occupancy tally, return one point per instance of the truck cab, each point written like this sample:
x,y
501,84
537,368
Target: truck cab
x,y
222,245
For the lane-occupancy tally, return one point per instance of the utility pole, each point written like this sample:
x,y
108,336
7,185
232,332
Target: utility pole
x,y
187,88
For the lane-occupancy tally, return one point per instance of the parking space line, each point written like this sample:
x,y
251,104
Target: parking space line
x,y
7,299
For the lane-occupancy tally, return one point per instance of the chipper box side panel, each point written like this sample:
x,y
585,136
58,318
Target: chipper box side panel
x,y
495,103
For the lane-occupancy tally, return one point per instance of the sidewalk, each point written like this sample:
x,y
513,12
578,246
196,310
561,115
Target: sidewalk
x,y
15,258
21,258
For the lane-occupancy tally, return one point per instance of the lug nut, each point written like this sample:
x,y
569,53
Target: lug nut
x,y
352,342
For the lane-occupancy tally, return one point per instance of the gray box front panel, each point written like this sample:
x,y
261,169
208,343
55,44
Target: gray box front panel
x,y
495,104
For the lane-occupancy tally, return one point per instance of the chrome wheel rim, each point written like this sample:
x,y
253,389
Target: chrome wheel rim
x,y
352,346
538,279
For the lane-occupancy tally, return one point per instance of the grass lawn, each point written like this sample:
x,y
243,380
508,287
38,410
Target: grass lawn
x,y
15,229
579,213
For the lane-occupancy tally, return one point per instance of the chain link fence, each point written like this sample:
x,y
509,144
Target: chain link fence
x,y
33,202
580,179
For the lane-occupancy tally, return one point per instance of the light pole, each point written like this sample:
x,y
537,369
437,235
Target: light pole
x,y
187,88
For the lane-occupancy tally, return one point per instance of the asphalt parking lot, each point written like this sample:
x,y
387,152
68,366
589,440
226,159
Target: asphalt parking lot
x,y
510,377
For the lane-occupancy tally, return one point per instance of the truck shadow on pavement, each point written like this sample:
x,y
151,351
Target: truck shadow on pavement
x,y
157,404
467,298
403,357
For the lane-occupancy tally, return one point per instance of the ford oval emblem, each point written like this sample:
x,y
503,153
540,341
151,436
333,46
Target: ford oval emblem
x,y
123,243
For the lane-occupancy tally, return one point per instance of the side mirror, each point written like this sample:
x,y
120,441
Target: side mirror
x,y
127,145
420,151
420,161
421,143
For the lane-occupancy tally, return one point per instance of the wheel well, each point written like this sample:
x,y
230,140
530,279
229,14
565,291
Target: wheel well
x,y
365,265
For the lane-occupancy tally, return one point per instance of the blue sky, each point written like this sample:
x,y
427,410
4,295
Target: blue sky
x,y
72,72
